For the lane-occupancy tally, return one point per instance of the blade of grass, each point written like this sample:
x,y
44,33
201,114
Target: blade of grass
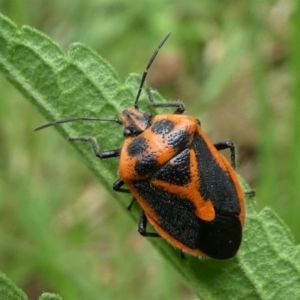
x,y
294,121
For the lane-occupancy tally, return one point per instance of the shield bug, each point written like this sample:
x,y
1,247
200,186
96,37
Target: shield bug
x,y
187,190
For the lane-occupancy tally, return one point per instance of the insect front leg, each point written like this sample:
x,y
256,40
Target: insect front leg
x,y
95,147
117,186
142,227
179,106
227,144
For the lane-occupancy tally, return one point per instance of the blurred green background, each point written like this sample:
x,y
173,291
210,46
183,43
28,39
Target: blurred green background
x,y
233,63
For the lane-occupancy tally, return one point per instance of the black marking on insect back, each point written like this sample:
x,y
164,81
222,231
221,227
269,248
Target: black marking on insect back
x,y
175,214
162,127
219,239
177,170
147,165
137,146
215,183
179,139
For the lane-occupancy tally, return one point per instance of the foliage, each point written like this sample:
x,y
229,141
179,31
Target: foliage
x,y
43,73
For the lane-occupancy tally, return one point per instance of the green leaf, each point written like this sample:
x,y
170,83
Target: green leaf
x,y
8,291
49,296
80,83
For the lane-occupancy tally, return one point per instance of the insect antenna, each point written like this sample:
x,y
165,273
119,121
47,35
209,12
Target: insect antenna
x,y
68,120
147,68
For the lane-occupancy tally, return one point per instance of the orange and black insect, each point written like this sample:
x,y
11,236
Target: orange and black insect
x,y
187,190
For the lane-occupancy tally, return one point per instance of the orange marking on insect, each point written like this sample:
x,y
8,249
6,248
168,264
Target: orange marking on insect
x,y
191,191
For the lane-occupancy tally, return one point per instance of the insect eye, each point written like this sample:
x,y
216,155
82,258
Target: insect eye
x,y
148,115
127,132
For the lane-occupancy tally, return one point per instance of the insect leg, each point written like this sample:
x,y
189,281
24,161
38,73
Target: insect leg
x,y
131,203
142,227
117,186
178,105
95,147
250,193
227,144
